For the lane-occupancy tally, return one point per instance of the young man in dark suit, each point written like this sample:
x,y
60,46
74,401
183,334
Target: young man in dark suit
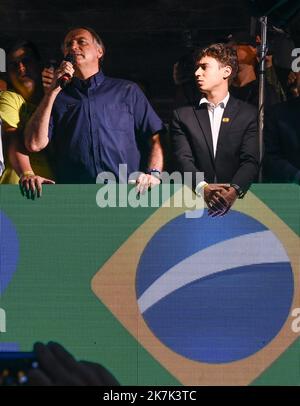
x,y
217,136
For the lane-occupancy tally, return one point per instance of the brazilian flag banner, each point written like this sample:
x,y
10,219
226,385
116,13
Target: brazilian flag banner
x,y
158,295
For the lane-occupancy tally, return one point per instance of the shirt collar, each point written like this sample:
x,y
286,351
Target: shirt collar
x,y
97,79
222,103
92,82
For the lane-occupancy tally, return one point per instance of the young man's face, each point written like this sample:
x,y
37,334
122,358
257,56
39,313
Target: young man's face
x,y
210,74
82,45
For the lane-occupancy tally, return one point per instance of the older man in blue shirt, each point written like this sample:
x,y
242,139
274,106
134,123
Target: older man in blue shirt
x,y
95,123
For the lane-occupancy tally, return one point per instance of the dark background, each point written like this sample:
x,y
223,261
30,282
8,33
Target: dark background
x,y
143,38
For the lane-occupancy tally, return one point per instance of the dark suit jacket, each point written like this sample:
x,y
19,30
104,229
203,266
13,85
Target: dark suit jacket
x,y
236,159
282,142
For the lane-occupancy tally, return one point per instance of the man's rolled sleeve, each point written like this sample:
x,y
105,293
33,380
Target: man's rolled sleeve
x,y
147,122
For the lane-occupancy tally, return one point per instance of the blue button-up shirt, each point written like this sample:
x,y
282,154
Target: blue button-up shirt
x,y
96,125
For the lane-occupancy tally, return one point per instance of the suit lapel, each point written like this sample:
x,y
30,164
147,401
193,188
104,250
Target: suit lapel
x,y
230,112
202,117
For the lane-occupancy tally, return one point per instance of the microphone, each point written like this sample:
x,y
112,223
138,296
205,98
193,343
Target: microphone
x,y
65,79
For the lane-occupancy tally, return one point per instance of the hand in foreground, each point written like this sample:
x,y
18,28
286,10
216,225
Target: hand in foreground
x,y
227,198
31,185
145,182
213,196
50,76
57,367
47,78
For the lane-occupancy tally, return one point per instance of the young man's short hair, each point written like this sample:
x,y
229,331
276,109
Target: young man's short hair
x,y
224,54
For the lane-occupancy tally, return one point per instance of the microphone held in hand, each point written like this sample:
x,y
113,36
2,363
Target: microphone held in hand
x,y
65,78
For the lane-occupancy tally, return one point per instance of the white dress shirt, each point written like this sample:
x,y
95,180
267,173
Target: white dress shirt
x,y
215,117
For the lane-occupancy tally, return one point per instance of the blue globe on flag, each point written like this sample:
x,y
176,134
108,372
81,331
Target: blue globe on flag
x,y
215,291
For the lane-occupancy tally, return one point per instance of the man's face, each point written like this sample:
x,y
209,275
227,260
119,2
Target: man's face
x,y
210,74
23,69
82,45
246,55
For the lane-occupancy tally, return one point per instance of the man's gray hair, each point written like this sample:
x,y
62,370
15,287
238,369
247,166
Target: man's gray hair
x,y
95,36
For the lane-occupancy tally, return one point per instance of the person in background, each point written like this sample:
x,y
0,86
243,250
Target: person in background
x,y
3,82
16,107
1,151
3,87
186,92
293,84
245,86
281,161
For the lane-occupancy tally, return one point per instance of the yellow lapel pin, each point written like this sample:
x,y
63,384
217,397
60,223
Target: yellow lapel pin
x,y
226,120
